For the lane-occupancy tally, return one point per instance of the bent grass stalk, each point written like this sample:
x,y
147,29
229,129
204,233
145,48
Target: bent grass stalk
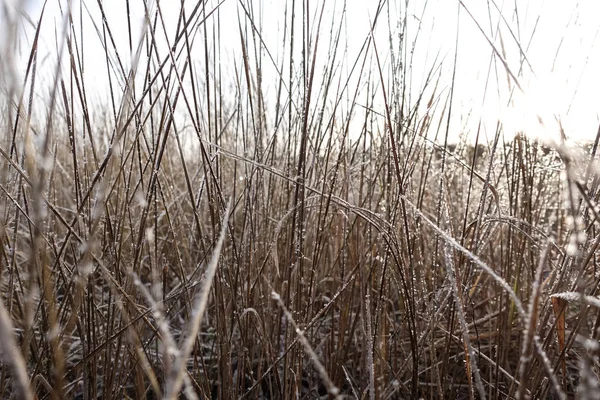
x,y
176,376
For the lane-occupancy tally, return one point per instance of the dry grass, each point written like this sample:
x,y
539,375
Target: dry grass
x,y
192,239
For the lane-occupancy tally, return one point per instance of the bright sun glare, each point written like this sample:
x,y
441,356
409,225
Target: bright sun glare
x,y
537,111
559,88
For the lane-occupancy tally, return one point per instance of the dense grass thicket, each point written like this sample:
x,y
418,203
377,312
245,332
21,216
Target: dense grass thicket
x,y
309,232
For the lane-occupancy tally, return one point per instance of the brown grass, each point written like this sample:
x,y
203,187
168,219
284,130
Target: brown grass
x,y
191,238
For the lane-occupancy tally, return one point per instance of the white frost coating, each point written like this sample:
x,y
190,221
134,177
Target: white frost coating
x,y
572,249
149,234
574,296
570,222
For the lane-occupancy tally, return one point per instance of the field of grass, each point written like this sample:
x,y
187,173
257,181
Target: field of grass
x,y
310,232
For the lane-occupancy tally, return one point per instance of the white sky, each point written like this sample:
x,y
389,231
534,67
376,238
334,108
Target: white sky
x,y
559,39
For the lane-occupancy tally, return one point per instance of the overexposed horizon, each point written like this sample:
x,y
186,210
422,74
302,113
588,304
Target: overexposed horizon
x,y
528,65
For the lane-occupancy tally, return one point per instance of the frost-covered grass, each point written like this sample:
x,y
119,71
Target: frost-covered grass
x,y
302,237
